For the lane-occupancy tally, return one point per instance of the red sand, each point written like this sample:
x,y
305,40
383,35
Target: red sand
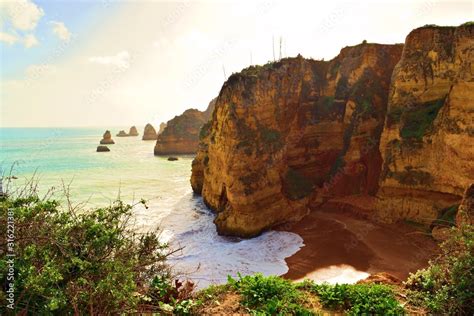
x,y
339,239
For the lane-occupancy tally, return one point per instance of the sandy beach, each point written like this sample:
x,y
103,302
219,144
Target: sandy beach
x,y
340,247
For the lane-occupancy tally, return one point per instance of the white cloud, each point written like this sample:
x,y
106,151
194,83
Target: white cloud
x,y
61,30
121,60
8,38
30,40
22,14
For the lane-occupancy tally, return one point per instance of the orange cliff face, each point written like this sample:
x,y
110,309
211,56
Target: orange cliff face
x,y
428,139
281,132
181,134
386,130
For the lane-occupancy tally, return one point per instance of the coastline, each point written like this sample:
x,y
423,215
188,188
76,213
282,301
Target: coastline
x,y
340,247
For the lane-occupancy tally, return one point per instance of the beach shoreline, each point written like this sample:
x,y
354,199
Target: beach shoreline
x,y
340,247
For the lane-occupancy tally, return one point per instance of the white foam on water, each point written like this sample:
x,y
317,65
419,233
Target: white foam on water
x,y
208,258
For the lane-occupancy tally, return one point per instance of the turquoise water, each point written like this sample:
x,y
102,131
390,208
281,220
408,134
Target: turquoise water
x,y
130,170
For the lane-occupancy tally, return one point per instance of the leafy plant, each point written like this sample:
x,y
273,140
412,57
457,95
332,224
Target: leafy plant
x,y
358,299
269,295
81,262
447,285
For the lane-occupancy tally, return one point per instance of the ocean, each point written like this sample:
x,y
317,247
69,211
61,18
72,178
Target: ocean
x,y
67,156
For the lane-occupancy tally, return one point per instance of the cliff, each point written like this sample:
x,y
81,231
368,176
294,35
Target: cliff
x,y
181,134
282,131
427,142
296,134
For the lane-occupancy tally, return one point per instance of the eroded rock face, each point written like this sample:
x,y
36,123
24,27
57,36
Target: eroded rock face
x,y
428,136
281,132
149,132
107,138
122,134
355,132
181,134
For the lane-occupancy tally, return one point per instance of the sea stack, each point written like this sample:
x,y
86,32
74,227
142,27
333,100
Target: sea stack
x,y
122,134
107,138
133,131
102,148
149,133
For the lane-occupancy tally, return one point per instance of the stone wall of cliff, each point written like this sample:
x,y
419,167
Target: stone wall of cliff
x,y
370,130
181,134
427,142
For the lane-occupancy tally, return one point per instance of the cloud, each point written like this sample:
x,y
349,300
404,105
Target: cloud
x,y
22,14
121,60
8,38
61,30
30,40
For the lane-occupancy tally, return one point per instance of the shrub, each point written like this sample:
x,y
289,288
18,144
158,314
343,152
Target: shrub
x,y
68,262
297,186
418,121
269,295
447,285
358,299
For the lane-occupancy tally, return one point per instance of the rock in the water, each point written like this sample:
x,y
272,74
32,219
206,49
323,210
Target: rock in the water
x,y
149,133
133,131
107,138
102,148
122,134
181,135
172,158
162,128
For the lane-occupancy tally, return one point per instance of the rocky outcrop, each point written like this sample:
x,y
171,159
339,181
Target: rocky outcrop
x,y
282,131
107,138
181,134
430,124
162,128
133,131
102,148
373,130
149,133
122,134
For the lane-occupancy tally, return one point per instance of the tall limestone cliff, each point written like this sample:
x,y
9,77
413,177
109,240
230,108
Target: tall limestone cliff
x,y
428,140
181,134
282,132
382,129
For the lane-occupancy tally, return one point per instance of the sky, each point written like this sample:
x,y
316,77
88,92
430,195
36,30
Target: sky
x,y
109,63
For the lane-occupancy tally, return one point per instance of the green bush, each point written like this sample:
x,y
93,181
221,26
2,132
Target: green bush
x,y
297,186
418,121
447,285
69,262
358,299
269,295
